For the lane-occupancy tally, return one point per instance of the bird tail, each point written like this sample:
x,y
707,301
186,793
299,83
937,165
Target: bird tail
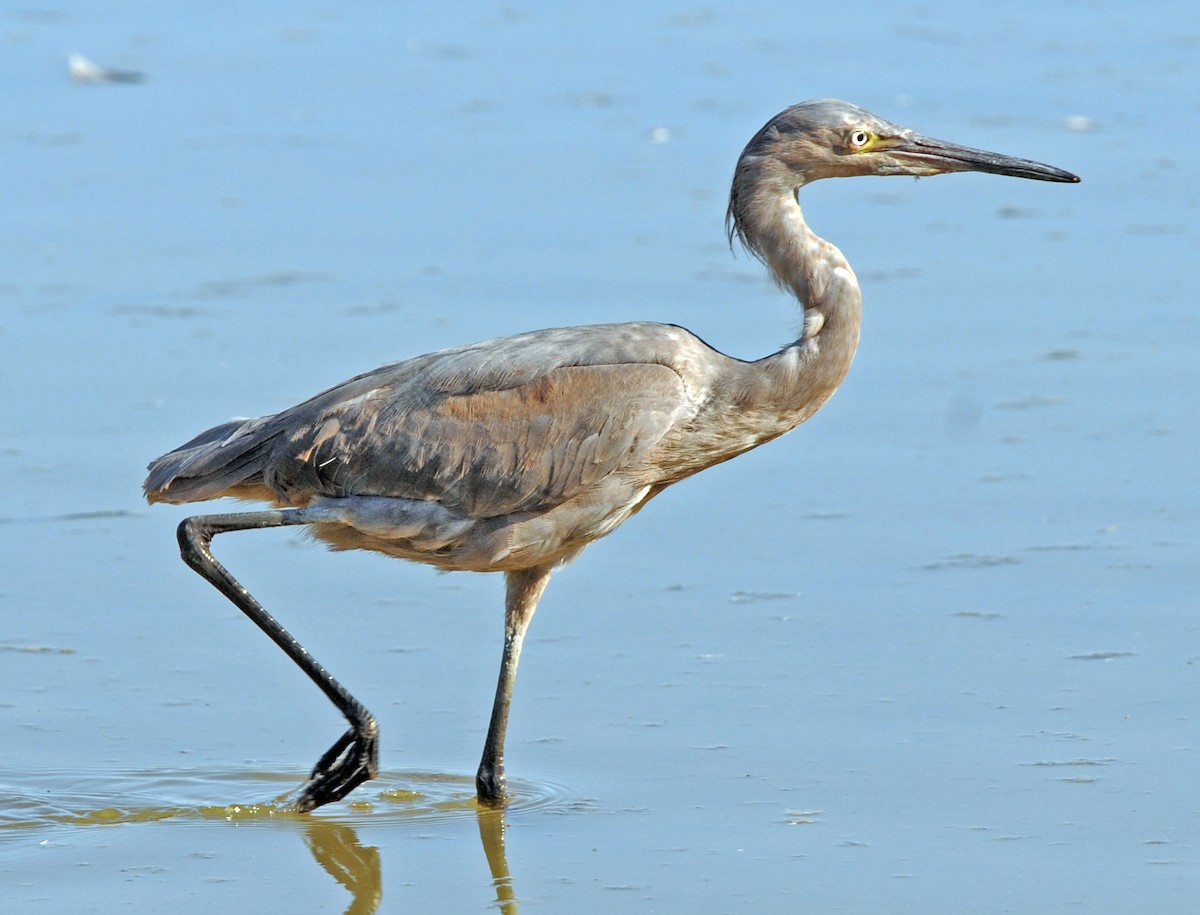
x,y
227,460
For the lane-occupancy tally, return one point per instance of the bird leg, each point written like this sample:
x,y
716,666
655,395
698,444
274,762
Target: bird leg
x,y
354,758
523,589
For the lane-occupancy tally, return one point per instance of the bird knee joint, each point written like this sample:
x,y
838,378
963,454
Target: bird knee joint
x,y
194,537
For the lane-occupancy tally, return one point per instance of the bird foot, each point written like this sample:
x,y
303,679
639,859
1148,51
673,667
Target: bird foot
x,y
351,761
491,787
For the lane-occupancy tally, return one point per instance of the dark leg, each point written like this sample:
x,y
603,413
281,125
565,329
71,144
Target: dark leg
x,y
355,757
523,590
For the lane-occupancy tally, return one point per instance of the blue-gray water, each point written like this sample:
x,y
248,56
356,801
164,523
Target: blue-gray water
x,y
935,651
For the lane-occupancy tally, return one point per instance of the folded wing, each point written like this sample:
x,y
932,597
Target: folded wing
x,y
494,429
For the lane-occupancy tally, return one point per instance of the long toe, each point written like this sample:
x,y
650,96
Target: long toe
x,y
349,763
332,755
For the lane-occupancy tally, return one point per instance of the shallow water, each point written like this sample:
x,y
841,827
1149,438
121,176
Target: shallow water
x,y
936,651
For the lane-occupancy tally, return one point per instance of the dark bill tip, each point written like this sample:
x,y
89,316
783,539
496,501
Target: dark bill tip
x,y
951,157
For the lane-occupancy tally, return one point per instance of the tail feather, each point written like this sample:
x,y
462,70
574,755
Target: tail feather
x,y
225,460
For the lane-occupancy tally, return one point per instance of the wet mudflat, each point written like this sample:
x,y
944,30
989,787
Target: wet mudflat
x,y
935,651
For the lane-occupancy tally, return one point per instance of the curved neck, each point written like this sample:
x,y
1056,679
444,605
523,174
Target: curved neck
x,y
785,389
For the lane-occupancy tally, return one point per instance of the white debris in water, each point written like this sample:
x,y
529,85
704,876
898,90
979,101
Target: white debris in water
x,y
85,71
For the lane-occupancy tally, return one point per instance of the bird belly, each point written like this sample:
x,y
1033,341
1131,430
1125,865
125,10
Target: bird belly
x,y
429,532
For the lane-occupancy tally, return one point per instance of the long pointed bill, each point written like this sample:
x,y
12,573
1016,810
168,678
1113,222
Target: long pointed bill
x,y
932,157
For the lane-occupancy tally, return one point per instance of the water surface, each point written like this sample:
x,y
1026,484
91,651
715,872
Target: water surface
x,y
936,651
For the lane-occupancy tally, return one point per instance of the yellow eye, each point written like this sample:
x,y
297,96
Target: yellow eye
x,y
859,139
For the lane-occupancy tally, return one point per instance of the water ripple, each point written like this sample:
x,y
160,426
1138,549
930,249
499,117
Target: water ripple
x,y
50,798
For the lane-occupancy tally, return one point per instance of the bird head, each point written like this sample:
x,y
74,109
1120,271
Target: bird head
x,y
827,138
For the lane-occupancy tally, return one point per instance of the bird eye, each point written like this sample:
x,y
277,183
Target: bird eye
x,y
859,139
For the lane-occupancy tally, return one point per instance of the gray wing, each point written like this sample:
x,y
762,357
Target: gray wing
x,y
514,425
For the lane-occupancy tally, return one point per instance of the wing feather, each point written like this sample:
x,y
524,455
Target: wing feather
x,y
520,424
485,453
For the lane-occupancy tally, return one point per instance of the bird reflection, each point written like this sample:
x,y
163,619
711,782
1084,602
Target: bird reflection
x,y
336,847
491,834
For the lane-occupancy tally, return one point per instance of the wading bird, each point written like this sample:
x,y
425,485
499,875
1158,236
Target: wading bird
x,y
512,455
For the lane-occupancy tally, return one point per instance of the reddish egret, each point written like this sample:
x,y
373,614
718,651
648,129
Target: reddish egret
x,y
512,455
